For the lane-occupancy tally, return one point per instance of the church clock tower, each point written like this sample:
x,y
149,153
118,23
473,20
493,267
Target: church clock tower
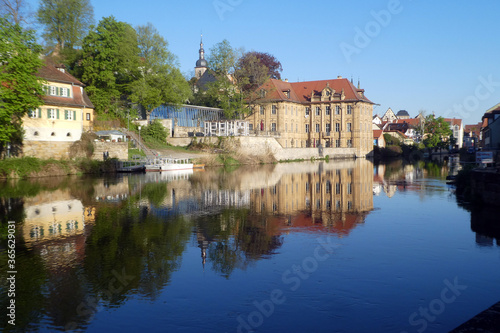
x,y
201,63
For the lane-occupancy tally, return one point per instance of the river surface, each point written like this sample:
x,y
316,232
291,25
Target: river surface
x,y
343,246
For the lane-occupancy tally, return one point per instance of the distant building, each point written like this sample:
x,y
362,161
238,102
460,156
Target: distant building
x,y
473,135
201,63
389,116
403,114
491,129
378,138
458,130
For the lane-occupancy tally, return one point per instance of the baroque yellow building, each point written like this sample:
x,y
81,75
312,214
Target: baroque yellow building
x,y
326,113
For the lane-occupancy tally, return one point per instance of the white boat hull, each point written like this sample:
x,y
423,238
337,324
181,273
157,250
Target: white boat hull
x,y
169,165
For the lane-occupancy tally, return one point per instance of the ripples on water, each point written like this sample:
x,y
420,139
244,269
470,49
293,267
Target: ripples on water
x,y
335,247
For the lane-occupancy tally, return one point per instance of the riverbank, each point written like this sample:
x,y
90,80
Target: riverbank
x,y
486,321
31,167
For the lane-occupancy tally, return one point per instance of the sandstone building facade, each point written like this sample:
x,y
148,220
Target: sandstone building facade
x,y
327,113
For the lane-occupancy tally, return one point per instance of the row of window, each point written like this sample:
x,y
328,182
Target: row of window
x,y
58,91
36,133
328,128
328,110
55,114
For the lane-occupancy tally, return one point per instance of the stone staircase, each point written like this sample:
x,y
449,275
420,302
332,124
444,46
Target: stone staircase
x,y
150,153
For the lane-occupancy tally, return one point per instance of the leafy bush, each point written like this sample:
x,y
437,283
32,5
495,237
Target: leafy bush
x,y
156,131
391,141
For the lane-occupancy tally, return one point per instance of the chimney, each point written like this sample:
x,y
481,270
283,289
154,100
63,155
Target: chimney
x,y
339,77
286,80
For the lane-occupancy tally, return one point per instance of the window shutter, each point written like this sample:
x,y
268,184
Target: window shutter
x,y
39,113
48,113
57,113
65,114
74,115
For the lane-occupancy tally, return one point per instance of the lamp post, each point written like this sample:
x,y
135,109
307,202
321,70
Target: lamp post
x,y
139,137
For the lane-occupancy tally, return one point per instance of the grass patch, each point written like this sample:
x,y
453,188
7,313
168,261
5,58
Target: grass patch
x,y
290,161
135,151
228,161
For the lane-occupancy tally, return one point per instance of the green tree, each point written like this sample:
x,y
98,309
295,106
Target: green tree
x,y
224,92
20,88
160,80
66,22
437,131
110,63
223,59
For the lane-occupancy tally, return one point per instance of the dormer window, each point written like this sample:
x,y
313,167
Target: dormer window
x,y
58,91
287,93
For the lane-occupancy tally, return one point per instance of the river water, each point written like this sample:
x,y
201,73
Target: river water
x,y
343,246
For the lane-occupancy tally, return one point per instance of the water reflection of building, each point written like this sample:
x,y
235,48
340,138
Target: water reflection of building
x,y
327,190
55,215
484,222
397,176
112,189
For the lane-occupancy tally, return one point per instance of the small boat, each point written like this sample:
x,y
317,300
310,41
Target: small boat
x,y
168,164
199,166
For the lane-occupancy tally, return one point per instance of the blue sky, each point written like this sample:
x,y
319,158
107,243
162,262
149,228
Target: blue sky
x,y
409,54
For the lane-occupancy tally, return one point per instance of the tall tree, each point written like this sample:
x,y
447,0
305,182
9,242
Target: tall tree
x,y
224,91
17,11
161,81
110,63
250,72
66,22
223,58
272,64
437,131
20,89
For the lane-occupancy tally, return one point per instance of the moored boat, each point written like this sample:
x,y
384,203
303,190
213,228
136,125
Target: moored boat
x,y
169,164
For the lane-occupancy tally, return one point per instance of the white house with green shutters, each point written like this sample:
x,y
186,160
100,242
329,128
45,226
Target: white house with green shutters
x,y
67,111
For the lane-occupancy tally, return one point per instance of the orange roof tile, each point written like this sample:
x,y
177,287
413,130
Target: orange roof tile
x,y
301,92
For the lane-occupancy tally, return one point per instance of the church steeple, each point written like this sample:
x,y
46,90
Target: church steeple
x,y
202,51
201,63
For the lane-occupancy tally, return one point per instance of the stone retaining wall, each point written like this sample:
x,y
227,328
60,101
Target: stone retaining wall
x,y
47,149
117,150
268,146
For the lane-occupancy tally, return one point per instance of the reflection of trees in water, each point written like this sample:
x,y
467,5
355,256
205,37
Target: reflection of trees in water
x,y
127,251
155,193
146,248
30,294
234,239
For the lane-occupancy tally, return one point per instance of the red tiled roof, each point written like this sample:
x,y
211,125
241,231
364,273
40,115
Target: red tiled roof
x,y
453,121
49,72
301,92
414,122
377,133
473,128
79,98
